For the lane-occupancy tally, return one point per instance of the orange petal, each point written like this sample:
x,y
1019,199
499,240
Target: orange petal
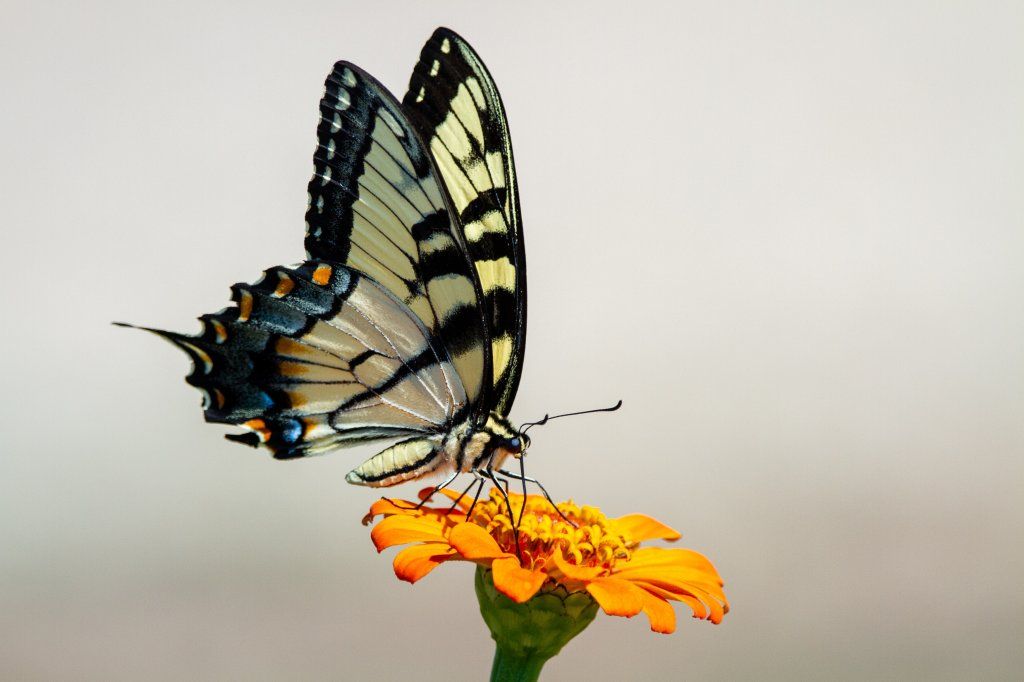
x,y
617,597
640,527
672,568
718,609
661,557
386,507
400,530
412,563
515,582
705,605
452,495
699,610
574,572
675,580
659,612
678,580
473,543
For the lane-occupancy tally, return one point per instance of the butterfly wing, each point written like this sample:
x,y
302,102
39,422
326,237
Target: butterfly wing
x,y
376,204
454,104
318,357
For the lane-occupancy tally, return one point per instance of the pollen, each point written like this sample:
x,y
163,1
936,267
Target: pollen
x,y
590,543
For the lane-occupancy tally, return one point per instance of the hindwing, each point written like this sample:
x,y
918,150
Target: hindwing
x,y
317,357
454,104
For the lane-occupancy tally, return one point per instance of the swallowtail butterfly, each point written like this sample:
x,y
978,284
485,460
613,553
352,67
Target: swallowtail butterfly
x,y
408,319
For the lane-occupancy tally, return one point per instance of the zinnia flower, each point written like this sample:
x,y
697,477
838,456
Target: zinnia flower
x,y
593,555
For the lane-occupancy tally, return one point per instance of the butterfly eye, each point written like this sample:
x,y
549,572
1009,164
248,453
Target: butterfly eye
x,y
515,444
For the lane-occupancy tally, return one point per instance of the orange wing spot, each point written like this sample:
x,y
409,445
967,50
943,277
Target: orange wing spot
x,y
284,285
307,427
219,398
292,369
286,346
260,427
296,399
219,330
244,306
322,274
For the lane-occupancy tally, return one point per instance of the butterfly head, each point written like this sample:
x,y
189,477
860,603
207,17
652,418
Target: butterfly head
x,y
504,438
519,444
515,445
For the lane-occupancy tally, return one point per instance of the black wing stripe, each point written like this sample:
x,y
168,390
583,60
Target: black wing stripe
x,y
454,104
437,101
478,208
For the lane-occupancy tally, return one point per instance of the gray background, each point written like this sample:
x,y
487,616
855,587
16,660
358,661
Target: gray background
x,y
788,235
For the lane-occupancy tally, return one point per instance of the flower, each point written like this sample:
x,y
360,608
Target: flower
x,y
573,549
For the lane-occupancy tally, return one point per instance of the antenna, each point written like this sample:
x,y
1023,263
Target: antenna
x,y
526,427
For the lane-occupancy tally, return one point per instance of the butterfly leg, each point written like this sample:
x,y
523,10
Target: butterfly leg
x,y
547,496
522,469
438,487
464,493
522,473
487,473
503,481
491,474
476,497
432,493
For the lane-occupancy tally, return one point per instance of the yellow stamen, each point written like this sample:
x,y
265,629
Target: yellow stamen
x,y
542,531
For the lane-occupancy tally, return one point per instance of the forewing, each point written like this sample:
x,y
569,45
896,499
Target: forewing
x,y
317,357
376,205
453,103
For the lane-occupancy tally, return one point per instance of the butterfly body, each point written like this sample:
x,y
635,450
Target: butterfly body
x,y
408,320
465,448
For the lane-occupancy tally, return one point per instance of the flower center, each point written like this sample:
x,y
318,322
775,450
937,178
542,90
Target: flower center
x,y
590,542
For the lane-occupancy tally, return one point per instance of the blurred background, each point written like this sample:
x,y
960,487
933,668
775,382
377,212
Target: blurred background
x,y
787,235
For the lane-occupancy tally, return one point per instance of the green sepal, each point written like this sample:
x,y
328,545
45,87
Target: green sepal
x,y
527,635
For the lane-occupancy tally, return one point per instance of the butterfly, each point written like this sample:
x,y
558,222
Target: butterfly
x,y
407,321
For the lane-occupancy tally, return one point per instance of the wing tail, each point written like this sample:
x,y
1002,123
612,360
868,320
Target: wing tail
x,y
318,357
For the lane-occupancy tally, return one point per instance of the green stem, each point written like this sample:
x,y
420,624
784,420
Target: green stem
x,y
509,667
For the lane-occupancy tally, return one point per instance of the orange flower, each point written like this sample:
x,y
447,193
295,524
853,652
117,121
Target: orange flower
x,y
598,555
